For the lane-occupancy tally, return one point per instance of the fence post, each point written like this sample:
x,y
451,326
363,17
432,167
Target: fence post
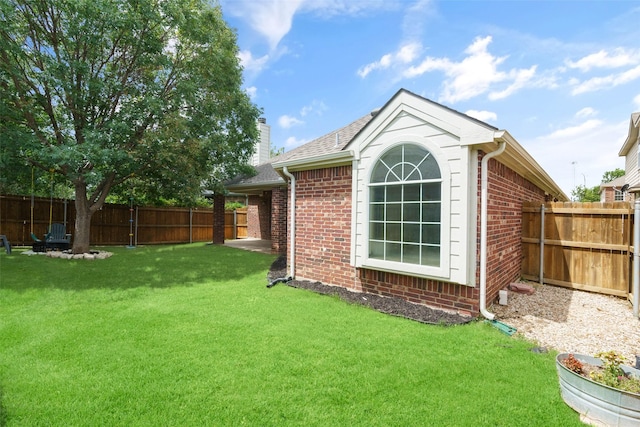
x,y
190,225
541,276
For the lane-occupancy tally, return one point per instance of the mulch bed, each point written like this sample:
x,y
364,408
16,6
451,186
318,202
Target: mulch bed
x,y
393,306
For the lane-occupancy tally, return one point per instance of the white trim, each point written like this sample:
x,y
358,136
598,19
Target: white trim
x,y
443,271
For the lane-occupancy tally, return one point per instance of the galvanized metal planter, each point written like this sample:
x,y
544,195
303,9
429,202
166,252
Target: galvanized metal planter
x,y
597,403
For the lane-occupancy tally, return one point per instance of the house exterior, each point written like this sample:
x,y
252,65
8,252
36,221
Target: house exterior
x,y
415,200
613,191
631,153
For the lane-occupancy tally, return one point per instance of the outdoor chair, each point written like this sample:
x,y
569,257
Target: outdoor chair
x,y
57,238
5,242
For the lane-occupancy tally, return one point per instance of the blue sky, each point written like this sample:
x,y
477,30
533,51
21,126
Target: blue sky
x,y
563,77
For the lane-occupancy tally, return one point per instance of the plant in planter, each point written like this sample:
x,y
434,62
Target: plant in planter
x,y
603,390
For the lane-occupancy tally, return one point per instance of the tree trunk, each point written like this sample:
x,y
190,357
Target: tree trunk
x,y
81,237
85,207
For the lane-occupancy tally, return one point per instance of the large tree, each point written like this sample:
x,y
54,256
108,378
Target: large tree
x,y
99,92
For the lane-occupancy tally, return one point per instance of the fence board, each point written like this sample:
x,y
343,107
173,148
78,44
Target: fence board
x,y
586,245
110,225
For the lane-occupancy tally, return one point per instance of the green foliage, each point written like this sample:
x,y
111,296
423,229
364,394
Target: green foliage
x,y
232,206
275,152
612,374
107,91
611,175
586,194
189,335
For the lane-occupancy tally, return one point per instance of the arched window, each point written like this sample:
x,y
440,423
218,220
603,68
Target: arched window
x,y
405,207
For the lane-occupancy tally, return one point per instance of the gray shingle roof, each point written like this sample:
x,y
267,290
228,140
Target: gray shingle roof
x,y
267,176
326,144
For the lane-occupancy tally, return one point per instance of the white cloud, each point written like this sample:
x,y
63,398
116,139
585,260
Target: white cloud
x,y
250,63
586,112
468,78
485,116
573,131
521,78
286,122
273,19
593,145
316,107
602,59
293,142
606,82
406,54
252,92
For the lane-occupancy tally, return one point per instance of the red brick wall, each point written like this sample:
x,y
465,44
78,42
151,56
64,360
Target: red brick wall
x,y
218,219
323,233
323,226
507,190
279,203
446,296
259,216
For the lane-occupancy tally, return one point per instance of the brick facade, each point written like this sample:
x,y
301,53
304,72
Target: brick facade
x,y
323,226
507,190
323,238
259,216
279,203
218,219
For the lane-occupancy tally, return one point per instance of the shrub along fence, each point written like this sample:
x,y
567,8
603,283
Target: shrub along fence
x,y
114,224
584,246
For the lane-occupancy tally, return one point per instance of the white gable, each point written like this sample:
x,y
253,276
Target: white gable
x,y
447,135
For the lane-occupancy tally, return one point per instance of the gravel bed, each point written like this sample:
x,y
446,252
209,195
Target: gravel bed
x,y
570,320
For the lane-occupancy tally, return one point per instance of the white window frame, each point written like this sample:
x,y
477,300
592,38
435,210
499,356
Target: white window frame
x,y
441,271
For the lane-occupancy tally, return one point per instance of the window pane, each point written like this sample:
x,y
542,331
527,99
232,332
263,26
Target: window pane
x,y
393,156
396,173
393,251
376,231
431,191
376,250
394,211
394,193
377,212
379,172
412,193
431,212
411,233
431,255
431,233
429,168
411,212
393,232
377,194
411,254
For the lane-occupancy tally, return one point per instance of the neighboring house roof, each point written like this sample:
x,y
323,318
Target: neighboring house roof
x,y
616,183
632,137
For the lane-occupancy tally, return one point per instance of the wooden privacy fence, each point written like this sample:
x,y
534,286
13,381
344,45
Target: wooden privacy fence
x,y
111,225
235,224
584,246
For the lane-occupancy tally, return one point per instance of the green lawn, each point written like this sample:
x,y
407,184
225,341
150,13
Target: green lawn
x,y
189,335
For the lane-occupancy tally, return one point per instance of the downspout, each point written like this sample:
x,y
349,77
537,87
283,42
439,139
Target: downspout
x,y
483,228
292,243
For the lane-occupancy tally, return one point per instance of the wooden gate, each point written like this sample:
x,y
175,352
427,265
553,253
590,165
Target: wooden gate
x,y
235,224
579,245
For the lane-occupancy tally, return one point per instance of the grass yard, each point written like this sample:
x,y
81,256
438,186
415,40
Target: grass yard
x,y
189,335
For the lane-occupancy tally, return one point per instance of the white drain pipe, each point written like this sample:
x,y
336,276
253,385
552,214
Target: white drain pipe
x,y
636,256
483,229
292,242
